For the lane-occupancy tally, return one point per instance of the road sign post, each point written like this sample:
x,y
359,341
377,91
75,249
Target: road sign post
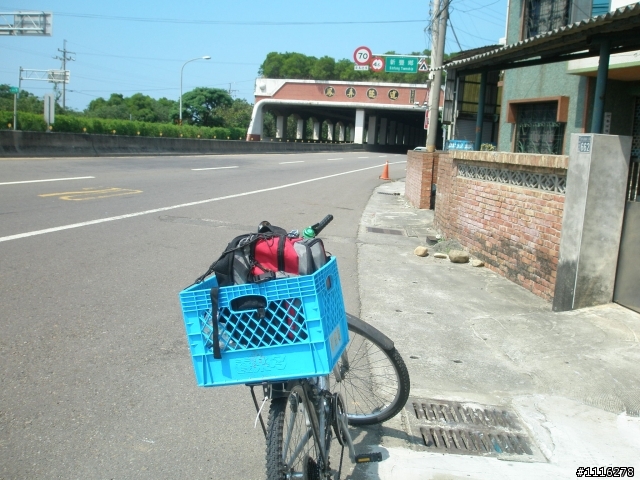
x,y
49,109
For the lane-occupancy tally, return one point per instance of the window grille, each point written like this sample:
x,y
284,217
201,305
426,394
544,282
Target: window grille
x,y
548,182
546,15
537,129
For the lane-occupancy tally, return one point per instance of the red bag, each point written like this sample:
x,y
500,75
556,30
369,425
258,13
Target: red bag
x,y
275,254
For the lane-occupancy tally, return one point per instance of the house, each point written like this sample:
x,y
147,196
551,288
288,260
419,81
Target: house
x,y
555,208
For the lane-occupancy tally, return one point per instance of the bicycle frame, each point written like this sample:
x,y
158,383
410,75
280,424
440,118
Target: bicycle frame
x,y
321,415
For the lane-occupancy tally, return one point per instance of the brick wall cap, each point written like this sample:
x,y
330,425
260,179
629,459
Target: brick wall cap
x,y
529,159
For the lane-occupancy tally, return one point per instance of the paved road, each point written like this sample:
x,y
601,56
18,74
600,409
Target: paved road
x,y
96,377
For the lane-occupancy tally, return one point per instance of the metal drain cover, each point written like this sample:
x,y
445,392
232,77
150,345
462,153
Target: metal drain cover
x,y
388,231
444,426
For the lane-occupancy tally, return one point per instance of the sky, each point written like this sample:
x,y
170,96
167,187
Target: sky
x,y
139,46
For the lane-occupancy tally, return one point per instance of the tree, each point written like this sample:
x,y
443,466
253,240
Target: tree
x,y
163,108
27,102
200,106
297,65
323,69
115,107
238,114
141,108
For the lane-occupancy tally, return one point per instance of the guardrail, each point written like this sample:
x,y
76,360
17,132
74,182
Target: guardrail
x,y
40,144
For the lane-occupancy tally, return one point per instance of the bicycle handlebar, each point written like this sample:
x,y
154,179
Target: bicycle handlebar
x,y
318,227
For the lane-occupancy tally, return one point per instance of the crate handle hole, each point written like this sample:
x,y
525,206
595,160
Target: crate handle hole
x,y
248,302
328,282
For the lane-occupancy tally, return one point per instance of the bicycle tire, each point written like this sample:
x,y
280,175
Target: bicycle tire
x,y
375,383
288,431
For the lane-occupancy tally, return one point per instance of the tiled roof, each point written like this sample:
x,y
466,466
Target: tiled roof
x,y
564,40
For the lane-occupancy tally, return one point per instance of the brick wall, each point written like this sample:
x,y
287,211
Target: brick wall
x,y
422,172
513,229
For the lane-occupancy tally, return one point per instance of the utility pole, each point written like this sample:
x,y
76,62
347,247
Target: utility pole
x,y
65,59
231,92
438,33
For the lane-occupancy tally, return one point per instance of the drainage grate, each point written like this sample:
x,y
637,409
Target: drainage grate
x,y
388,231
451,427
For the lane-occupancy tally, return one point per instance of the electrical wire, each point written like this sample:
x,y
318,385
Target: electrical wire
x,y
230,22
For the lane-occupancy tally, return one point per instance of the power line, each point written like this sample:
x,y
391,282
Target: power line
x,y
229,22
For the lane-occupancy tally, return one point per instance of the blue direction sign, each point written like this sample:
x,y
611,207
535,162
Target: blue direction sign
x,y
401,65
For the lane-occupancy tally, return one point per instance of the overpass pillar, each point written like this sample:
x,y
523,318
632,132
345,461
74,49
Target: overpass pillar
x,y
299,128
340,132
329,131
352,133
281,126
391,139
383,132
371,131
359,131
316,128
254,133
400,134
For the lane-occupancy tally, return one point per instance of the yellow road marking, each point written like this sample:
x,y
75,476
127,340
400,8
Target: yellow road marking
x,y
92,193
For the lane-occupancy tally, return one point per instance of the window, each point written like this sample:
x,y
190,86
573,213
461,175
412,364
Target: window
x,y
545,15
600,7
538,129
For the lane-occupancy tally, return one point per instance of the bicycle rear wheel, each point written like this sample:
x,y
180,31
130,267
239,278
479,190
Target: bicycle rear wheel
x,y
374,381
292,451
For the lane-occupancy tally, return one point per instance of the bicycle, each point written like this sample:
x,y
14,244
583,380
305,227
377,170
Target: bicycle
x,y
305,414
364,383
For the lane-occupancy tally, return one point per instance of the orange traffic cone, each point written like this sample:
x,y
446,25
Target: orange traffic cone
x,y
385,172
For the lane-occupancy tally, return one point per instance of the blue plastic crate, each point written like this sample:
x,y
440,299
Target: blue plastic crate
x,y
302,332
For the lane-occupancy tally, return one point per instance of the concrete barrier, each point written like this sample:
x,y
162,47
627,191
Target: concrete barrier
x,y
40,144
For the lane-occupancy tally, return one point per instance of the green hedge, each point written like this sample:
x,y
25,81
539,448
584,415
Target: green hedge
x,y
70,124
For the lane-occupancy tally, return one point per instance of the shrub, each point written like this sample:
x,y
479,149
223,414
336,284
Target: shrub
x,y
74,124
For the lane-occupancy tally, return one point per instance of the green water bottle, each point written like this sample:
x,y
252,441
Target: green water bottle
x,y
308,233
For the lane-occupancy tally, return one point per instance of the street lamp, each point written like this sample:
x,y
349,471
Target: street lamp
x,y
206,57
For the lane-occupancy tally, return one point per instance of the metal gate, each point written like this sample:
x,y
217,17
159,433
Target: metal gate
x,y
627,288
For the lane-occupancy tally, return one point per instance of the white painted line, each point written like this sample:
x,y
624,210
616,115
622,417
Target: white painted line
x,y
363,157
47,180
211,168
334,159
173,207
297,161
382,156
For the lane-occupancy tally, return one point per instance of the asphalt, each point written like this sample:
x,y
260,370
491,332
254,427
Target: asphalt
x,y
568,380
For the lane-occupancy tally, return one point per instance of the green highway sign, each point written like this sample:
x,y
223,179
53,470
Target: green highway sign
x,y
13,90
401,65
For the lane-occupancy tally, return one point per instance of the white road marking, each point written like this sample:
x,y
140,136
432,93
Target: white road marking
x,y
382,156
333,159
363,157
47,180
212,168
173,207
297,161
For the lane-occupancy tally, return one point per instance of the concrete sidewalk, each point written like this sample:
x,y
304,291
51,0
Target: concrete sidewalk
x,y
470,336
